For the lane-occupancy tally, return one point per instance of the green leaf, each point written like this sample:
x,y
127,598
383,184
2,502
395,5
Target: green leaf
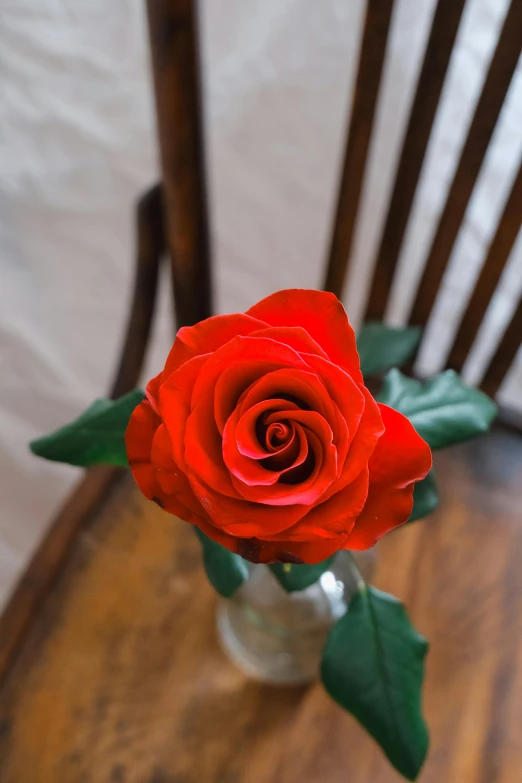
x,y
298,577
443,410
425,497
382,347
373,666
97,437
226,571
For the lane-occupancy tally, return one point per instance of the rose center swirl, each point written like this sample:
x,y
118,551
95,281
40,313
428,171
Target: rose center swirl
x,y
286,443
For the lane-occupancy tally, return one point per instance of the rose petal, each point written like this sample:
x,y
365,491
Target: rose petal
x,y
246,467
258,551
310,419
175,396
241,517
310,552
140,432
207,336
339,512
359,411
288,492
161,449
176,492
251,473
323,317
365,440
294,336
401,458
278,436
219,536
204,449
242,428
292,454
245,359
342,390
152,391
401,455
298,385
167,487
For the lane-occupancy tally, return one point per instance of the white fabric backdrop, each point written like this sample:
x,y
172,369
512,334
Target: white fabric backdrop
x,y
77,146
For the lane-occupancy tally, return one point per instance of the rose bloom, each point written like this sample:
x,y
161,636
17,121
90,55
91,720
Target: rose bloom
x,y
261,432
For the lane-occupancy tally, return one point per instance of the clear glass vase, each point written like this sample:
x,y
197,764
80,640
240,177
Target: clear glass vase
x,y
278,637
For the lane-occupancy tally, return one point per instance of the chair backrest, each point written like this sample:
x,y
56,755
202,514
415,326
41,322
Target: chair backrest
x,y
174,47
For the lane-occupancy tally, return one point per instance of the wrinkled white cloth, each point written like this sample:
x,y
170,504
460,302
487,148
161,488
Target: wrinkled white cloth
x,y
77,147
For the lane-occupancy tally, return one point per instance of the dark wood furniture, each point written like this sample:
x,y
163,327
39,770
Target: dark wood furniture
x,y
109,666
437,56
120,679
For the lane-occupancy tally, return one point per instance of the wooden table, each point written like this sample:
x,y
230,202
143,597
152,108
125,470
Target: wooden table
x,y
120,678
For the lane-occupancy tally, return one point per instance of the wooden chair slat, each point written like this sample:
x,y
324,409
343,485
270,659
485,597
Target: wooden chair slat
x,y
488,108
431,78
501,361
150,241
371,59
498,254
173,31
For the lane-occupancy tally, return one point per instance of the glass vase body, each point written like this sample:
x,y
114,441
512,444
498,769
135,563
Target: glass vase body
x,y
278,637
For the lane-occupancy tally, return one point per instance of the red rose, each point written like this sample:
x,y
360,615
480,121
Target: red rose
x,y
260,431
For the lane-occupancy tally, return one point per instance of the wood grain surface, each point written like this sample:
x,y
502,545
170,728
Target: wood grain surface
x,y
121,679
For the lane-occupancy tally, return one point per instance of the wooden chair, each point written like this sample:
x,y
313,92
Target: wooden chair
x,y
109,667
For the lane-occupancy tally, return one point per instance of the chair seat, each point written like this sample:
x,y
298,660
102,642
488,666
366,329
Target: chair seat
x,y
120,678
